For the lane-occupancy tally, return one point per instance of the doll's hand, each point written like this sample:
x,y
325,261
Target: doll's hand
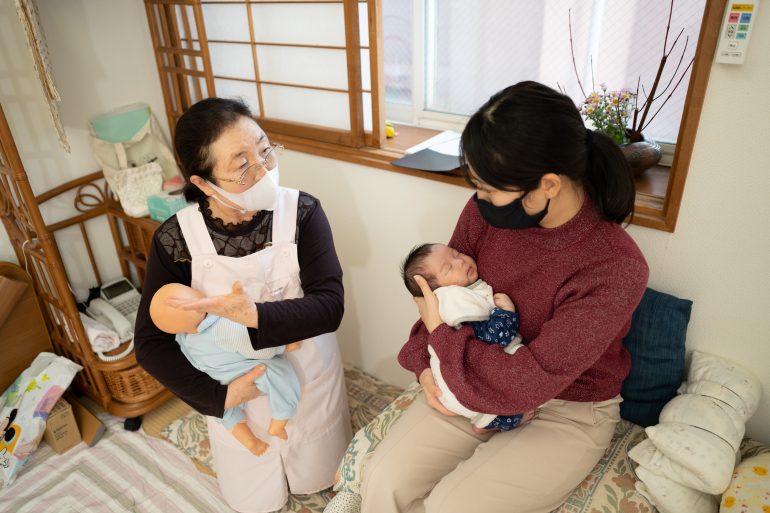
x,y
427,305
504,302
243,389
293,347
432,393
236,306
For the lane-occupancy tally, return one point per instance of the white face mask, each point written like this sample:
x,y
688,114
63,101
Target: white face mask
x,y
273,173
260,196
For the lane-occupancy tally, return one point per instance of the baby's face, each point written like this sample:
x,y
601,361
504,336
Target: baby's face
x,y
450,267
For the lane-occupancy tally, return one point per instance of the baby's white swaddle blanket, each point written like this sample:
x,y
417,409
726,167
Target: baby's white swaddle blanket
x,y
457,305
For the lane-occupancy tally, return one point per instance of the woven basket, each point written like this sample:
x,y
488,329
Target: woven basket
x,y
132,385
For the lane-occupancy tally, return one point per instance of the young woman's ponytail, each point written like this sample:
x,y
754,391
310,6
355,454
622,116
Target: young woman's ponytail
x,y
608,178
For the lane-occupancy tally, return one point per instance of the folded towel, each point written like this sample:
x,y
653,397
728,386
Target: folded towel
x,y
101,337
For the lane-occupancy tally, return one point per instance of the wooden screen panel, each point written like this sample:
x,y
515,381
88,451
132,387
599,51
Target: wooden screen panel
x,y
181,54
235,48
373,96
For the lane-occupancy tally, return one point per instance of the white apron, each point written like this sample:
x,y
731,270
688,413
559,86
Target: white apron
x,y
320,430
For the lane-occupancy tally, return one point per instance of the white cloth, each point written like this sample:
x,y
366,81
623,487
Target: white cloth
x,y
457,304
320,430
102,338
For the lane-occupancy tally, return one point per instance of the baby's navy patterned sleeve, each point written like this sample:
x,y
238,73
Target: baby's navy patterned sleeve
x,y
505,422
500,329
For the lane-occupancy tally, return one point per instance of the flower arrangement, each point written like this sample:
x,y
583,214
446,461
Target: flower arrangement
x,y
609,111
630,117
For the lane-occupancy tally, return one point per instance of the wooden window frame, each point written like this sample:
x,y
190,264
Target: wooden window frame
x,y
659,190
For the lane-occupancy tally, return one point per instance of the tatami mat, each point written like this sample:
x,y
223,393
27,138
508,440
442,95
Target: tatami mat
x,y
162,416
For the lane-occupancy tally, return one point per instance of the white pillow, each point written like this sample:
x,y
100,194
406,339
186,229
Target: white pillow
x,y
718,392
649,457
708,367
706,413
671,497
703,460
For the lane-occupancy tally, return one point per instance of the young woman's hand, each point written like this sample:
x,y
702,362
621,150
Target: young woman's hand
x,y
242,389
432,392
427,305
236,306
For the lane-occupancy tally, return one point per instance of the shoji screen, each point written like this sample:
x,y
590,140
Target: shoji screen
x,y
181,53
303,67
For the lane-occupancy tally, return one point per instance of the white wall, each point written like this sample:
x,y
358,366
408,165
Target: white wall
x,y
102,58
717,256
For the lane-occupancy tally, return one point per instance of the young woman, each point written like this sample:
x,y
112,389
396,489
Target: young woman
x,y
544,228
265,257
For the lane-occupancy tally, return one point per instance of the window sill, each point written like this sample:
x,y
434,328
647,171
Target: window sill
x,y
651,187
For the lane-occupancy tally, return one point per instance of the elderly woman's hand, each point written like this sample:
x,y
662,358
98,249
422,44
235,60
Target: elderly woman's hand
x,y
432,392
427,305
242,389
236,306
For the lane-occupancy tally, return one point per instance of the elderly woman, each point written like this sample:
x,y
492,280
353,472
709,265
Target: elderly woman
x,y
264,257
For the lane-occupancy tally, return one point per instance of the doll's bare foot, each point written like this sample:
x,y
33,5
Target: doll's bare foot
x,y
278,428
293,346
280,433
256,446
243,434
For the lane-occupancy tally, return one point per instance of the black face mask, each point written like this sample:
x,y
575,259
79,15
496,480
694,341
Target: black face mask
x,y
512,215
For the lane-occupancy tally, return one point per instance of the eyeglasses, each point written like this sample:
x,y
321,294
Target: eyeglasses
x,y
265,162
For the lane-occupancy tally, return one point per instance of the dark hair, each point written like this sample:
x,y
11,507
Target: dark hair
x,y
413,264
196,129
527,130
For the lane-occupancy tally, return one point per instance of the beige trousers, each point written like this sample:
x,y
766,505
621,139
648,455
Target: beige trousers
x,y
432,463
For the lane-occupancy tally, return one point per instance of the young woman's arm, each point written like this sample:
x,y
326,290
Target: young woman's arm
x,y
581,343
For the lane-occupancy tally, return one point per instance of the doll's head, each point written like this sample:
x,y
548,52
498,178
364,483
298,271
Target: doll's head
x,y
440,265
171,319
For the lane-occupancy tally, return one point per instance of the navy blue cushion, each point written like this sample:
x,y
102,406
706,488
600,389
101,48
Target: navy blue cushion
x,y
656,343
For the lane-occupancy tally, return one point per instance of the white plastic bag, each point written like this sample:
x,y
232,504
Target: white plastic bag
x,y
25,408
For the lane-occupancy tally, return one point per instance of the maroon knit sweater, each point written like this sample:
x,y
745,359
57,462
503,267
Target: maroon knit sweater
x,y
575,287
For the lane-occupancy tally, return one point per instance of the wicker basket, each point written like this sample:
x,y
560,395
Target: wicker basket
x,y
120,387
132,385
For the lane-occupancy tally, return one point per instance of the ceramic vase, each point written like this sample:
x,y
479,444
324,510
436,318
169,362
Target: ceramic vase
x,y
641,155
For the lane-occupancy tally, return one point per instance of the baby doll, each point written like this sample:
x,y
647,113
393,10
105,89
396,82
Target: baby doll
x,y
464,298
222,349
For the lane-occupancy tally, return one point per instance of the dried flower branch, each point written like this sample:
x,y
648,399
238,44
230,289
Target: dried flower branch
x,y
640,117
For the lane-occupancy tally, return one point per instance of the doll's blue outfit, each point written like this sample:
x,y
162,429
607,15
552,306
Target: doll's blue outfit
x,y
222,349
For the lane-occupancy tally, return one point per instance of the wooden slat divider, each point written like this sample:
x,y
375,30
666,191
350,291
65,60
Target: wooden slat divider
x,y
352,44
